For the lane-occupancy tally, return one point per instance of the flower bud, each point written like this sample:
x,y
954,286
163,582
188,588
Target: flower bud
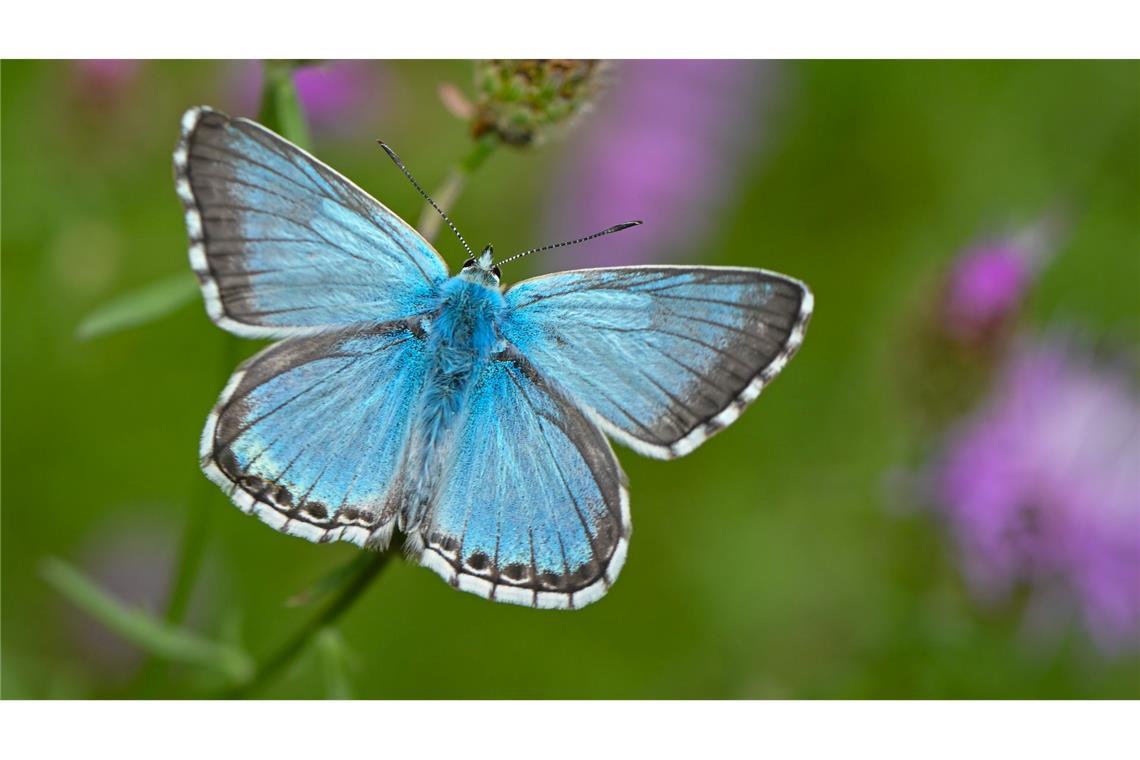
x,y
520,101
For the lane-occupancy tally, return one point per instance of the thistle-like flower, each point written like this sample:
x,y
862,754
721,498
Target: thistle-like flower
x,y
1041,489
985,286
521,101
963,327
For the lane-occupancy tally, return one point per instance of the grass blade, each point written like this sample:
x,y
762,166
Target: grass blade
x,y
151,634
138,307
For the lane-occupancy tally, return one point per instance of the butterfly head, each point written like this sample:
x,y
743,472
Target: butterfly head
x,y
481,269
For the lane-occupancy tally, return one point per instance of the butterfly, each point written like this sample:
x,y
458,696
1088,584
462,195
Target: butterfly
x,y
470,417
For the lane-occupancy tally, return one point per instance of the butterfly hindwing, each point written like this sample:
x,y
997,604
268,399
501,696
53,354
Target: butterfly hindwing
x,y
282,243
309,434
662,356
534,509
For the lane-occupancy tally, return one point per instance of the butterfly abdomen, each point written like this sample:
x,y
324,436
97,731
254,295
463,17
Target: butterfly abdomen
x,y
461,338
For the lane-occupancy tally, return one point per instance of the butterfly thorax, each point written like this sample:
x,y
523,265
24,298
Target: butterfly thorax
x,y
462,337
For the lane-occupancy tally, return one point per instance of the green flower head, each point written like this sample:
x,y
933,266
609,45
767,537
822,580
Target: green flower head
x,y
522,101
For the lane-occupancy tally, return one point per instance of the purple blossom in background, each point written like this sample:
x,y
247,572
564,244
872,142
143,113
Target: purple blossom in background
x,y
666,145
104,80
340,98
987,283
1042,490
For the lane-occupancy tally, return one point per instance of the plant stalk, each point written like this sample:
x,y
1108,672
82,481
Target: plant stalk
x,y
269,668
449,191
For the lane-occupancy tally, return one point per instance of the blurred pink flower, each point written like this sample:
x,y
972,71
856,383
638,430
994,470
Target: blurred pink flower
x,y
1042,490
340,98
666,145
101,81
987,283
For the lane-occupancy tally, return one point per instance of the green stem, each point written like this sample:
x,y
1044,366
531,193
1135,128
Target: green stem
x,y
192,547
330,583
190,552
341,603
449,191
281,109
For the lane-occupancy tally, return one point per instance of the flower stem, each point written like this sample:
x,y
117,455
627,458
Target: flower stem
x,y
191,550
281,109
192,547
449,191
354,587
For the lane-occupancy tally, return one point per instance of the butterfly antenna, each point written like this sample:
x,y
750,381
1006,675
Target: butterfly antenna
x,y
615,228
396,159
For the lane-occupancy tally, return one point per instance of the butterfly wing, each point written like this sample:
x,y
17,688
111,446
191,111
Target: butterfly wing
x,y
309,434
662,357
534,509
282,243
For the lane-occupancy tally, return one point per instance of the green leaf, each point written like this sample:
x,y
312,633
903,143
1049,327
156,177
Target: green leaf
x,y
151,634
280,107
148,303
331,581
334,660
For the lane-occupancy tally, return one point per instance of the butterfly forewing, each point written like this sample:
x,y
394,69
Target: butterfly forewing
x,y
663,356
280,242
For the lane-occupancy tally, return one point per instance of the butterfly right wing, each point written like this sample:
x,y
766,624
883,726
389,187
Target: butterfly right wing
x,y
534,508
663,357
309,434
282,244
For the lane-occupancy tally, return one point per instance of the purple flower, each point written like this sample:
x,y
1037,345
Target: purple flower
x,y
987,283
103,81
340,98
1041,488
666,146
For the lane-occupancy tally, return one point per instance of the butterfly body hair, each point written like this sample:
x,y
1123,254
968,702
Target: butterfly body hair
x,y
462,337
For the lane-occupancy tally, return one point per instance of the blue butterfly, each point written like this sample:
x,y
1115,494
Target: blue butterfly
x,y
470,418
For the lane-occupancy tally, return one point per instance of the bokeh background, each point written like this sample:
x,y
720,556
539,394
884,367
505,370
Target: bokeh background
x,y
938,498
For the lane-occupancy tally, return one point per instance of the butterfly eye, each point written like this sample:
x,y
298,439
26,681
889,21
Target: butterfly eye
x,y
469,263
495,271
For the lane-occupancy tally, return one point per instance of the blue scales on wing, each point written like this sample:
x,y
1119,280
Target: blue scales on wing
x,y
662,357
534,508
281,243
310,433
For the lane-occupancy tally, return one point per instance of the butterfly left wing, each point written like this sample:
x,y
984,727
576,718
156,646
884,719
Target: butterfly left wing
x,y
534,509
283,244
662,357
309,434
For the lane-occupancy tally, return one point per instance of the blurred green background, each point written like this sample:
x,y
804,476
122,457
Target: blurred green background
x,y
772,562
